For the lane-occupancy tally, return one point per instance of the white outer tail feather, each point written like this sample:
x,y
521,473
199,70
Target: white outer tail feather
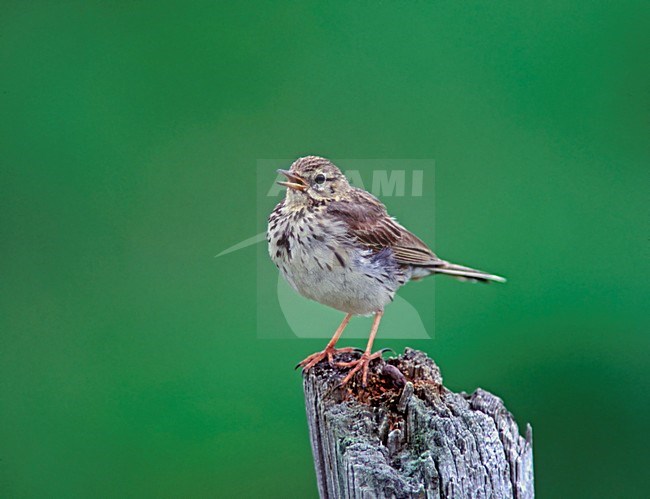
x,y
466,272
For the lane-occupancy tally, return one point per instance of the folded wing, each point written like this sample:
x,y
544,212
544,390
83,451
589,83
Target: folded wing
x,y
369,223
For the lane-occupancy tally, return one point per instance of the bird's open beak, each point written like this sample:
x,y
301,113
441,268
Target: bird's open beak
x,y
295,182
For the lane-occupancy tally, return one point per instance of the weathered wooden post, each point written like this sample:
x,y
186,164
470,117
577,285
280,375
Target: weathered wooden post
x,y
407,436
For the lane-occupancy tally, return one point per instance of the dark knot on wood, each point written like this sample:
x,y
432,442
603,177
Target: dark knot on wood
x,y
407,436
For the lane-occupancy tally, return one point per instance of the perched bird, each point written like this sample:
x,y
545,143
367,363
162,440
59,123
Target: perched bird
x,y
337,245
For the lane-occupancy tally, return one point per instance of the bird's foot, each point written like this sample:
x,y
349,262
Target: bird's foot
x,y
362,364
328,354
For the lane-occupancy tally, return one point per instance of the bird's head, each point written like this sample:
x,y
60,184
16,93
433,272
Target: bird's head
x,y
314,179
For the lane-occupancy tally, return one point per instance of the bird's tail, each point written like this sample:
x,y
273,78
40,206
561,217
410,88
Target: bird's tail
x,y
465,273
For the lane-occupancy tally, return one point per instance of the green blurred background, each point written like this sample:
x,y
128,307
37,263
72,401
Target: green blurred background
x,y
129,360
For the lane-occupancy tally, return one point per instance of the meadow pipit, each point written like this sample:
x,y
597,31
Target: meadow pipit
x,y
337,245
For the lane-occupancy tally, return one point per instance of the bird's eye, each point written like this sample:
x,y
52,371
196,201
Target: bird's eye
x,y
320,178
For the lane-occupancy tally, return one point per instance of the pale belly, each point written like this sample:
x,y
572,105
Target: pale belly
x,y
354,289
343,278
327,267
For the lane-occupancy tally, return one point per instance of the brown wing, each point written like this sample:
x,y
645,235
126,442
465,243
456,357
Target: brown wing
x,y
369,223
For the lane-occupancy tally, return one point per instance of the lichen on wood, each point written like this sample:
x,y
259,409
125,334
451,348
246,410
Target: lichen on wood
x,y
407,436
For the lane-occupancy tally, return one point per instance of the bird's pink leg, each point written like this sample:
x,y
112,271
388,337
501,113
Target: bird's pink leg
x,y
329,351
363,362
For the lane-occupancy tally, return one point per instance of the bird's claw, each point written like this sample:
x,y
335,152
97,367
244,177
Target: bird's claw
x,y
328,354
361,364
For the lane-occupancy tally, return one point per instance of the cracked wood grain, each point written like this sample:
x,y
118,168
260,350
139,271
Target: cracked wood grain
x,y
407,436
